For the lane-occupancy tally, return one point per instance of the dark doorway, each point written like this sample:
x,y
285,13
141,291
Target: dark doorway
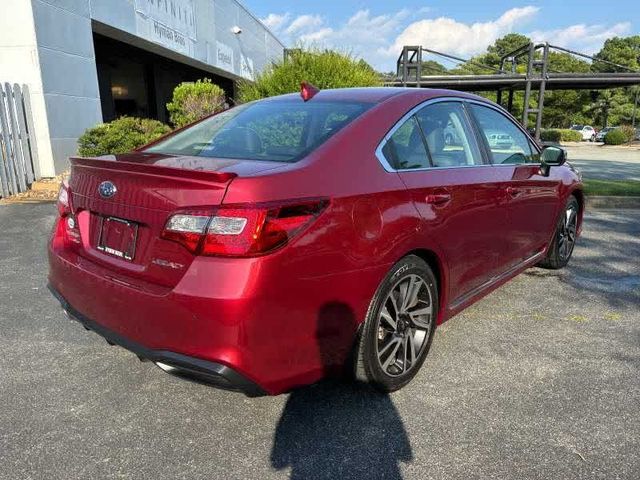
x,y
134,82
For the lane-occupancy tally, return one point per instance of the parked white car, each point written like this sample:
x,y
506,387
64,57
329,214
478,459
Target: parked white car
x,y
587,131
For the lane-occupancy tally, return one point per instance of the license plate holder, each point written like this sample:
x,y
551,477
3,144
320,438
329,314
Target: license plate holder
x,y
118,237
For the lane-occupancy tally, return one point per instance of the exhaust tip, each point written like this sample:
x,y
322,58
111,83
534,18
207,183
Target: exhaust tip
x,y
166,368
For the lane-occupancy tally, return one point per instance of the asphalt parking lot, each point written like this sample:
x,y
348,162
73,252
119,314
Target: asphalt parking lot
x,y
539,380
600,162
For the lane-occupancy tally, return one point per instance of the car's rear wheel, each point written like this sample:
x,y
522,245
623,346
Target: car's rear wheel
x,y
564,239
399,326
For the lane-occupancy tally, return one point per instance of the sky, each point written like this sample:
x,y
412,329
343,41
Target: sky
x,y
376,30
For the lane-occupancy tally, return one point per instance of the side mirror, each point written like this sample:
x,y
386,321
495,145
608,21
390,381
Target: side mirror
x,y
552,156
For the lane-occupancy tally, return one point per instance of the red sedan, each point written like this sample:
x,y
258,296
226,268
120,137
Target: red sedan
x,y
283,240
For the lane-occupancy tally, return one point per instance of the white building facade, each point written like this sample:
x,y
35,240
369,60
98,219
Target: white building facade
x,y
89,61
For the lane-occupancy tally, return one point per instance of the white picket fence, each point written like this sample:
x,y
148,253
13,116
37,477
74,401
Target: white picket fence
x,y
18,151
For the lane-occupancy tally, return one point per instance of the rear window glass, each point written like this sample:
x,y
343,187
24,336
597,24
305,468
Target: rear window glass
x,y
283,131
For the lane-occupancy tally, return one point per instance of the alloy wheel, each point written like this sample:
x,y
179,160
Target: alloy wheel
x,y
567,233
404,324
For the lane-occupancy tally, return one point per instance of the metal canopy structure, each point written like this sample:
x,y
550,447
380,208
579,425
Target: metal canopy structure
x,y
538,77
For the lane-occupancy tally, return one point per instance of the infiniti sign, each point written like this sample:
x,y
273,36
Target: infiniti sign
x,y
107,189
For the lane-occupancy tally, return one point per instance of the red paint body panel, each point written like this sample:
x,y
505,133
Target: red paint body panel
x,y
287,318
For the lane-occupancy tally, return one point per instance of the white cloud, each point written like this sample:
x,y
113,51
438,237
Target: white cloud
x,y
317,36
304,23
450,36
380,38
275,21
583,38
362,34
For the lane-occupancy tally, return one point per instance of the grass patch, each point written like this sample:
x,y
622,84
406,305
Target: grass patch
x,y
624,188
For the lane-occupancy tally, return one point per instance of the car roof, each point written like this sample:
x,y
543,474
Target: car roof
x,y
378,94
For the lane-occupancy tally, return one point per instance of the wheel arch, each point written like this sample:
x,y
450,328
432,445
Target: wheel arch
x,y
579,194
437,266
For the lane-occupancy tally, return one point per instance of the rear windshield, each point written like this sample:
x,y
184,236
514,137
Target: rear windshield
x,y
282,131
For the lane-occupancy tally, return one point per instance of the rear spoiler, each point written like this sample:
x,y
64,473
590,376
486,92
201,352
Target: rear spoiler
x,y
106,163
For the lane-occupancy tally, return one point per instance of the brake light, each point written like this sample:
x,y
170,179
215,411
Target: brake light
x,y
64,199
242,231
67,226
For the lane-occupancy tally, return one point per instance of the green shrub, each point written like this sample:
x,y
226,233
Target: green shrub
x,y
615,137
560,135
322,68
192,101
552,135
120,136
568,135
628,131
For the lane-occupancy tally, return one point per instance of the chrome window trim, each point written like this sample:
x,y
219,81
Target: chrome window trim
x,y
387,166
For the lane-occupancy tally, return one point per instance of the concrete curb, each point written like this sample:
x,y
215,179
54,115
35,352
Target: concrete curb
x,y
611,202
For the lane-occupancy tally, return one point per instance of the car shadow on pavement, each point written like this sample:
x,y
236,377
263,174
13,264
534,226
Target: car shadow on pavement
x,y
337,428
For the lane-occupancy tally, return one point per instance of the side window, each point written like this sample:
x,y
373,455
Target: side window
x,y
405,148
448,135
508,145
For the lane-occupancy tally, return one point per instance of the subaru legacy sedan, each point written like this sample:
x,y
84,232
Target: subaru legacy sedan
x,y
301,236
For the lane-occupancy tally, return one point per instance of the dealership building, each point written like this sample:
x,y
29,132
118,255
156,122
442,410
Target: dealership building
x,y
91,61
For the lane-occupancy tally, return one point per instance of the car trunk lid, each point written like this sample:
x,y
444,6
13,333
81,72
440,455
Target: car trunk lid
x,y
121,204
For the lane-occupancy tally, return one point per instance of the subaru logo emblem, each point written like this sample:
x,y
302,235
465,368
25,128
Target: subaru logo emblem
x,y
107,189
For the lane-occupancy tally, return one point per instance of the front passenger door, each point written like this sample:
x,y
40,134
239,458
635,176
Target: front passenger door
x,y
530,196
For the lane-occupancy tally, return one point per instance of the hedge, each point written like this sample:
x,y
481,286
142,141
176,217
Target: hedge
x,y
120,136
615,137
560,135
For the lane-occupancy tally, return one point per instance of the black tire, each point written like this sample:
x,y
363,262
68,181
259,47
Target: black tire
x,y
564,238
414,330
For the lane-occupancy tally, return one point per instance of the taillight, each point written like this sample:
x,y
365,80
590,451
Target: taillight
x,y
242,231
68,225
64,199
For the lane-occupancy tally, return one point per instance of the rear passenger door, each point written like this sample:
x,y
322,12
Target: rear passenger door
x,y
435,152
531,197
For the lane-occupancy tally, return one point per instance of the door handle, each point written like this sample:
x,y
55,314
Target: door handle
x,y
513,191
438,198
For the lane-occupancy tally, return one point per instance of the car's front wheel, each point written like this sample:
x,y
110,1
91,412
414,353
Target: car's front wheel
x,y
399,326
564,238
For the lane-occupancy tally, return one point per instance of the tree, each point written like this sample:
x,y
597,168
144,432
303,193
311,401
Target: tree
x,y
623,51
493,55
322,68
601,107
562,108
431,67
505,45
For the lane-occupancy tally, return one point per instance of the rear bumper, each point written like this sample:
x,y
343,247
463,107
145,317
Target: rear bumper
x,y
212,373
279,321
